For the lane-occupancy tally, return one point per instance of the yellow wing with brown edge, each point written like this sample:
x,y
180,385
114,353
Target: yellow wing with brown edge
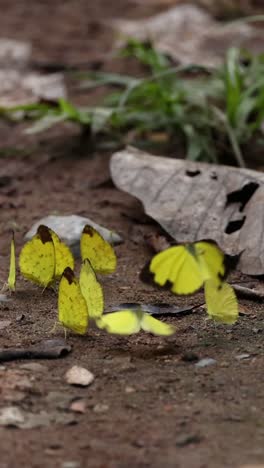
x,y
99,252
37,258
72,308
63,255
188,266
178,266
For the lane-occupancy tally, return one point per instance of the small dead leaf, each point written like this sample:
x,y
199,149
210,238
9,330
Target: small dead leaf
x,y
79,376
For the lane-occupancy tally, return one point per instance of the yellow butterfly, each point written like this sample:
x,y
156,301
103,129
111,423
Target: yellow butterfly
x,y
63,255
188,266
44,258
72,307
128,322
11,281
221,302
78,301
99,252
91,290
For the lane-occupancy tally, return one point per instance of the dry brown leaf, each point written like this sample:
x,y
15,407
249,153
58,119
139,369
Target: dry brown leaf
x,y
194,201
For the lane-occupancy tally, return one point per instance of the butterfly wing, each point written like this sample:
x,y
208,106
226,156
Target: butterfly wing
x,y
124,322
91,290
221,302
63,255
156,327
37,258
72,308
100,253
12,268
179,267
211,261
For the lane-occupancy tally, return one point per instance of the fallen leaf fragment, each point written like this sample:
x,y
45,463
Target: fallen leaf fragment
x,y
47,349
79,376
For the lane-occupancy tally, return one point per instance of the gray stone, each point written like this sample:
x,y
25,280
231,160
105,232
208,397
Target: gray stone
x,y
79,376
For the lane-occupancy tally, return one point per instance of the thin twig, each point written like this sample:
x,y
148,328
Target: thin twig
x,y
243,291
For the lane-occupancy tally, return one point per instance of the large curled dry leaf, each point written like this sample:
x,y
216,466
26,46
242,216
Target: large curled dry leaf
x,y
194,201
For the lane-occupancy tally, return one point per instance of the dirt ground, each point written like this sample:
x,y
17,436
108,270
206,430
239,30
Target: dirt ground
x,y
149,406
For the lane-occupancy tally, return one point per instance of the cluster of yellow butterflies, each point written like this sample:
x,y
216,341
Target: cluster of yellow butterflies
x,y
45,258
189,267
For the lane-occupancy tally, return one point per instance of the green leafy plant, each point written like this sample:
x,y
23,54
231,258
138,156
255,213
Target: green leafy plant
x,y
211,111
